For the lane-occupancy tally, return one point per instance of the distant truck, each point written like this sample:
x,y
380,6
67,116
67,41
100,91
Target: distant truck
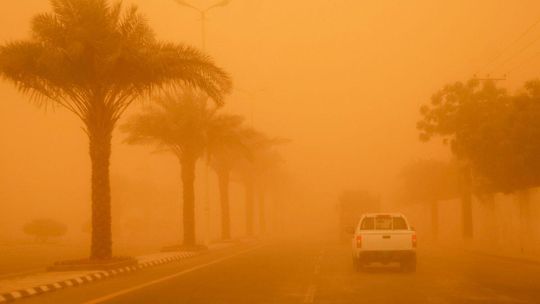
x,y
384,238
352,204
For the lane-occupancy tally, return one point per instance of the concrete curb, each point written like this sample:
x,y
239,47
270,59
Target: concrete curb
x,y
88,278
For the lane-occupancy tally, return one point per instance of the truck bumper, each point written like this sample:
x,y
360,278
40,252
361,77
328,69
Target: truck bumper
x,y
387,256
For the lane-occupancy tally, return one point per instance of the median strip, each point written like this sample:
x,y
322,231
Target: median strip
x,y
53,281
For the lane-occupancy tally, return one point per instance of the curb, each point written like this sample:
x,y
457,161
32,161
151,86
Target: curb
x,y
85,279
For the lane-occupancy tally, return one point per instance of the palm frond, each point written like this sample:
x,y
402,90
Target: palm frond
x,y
176,121
89,53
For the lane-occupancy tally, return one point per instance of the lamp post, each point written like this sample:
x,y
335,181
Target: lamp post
x,y
203,12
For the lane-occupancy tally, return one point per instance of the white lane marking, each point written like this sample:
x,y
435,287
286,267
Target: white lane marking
x,y
310,294
163,279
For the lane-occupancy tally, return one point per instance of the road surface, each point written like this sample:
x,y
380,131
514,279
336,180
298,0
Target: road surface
x,y
290,272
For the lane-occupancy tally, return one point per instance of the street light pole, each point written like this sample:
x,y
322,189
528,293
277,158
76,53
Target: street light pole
x,y
203,13
203,31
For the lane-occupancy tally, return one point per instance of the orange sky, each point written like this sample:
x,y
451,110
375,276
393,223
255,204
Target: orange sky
x,y
343,79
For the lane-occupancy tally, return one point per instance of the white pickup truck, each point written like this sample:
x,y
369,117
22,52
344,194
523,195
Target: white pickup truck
x,y
384,238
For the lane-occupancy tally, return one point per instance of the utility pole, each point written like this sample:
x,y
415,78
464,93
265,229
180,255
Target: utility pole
x,y
203,12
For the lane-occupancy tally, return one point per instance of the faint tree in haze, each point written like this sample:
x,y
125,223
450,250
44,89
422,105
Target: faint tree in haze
x,y
497,136
458,114
351,205
266,163
179,124
513,139
44,229
250,172
428,182
514,162
226,147
95,59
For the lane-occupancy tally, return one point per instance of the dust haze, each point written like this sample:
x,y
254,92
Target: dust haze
x,y
337,87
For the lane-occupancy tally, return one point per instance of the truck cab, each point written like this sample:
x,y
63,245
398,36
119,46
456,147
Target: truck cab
x,y
384,238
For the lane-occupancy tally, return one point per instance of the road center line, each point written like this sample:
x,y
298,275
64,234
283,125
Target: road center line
x,y
163,279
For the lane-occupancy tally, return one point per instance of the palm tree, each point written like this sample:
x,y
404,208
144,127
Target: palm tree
x,y
251,170
179,124
95,59
245,171
266,164
225,149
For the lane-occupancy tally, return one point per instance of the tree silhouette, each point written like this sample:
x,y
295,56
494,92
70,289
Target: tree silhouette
x,y
427,182
251,172
496,135
226,147
95,59
180,124
44,229
266,165
460,114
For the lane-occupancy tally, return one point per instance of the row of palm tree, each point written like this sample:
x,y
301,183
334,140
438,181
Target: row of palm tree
x,y
183,123
95,59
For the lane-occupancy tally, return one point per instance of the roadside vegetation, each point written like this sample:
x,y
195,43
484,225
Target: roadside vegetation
x,y
95,58
43,230
494,139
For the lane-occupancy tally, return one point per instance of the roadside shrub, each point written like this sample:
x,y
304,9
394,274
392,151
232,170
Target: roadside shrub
x,y
45,229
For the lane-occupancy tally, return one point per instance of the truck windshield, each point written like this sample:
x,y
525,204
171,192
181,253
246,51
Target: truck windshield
x,y
383,223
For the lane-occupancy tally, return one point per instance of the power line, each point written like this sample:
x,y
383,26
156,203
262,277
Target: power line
x,y
522,63
501,53
517,53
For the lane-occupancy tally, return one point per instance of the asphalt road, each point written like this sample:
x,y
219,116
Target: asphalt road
x,y
289,272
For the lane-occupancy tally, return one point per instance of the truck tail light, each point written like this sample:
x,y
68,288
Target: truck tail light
x,y
358,241
413,239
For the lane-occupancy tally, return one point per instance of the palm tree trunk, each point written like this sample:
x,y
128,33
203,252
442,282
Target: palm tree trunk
x,y
188,181
262,212
100,135
223,177
249,207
